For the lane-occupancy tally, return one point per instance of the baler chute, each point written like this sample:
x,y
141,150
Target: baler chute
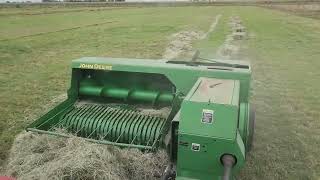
x,y
198,111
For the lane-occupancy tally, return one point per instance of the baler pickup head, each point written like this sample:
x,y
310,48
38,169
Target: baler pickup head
x,y
126,109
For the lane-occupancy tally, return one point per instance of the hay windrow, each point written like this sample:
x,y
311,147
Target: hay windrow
x,y
231,47
181,43
40,156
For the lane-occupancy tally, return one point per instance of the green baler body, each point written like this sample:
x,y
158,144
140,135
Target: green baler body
x,y
208,129
196,92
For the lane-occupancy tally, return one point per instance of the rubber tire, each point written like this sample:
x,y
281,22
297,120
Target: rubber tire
x,y
252,121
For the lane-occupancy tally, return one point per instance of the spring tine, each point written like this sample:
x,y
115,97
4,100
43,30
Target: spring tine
x,y
83,114
130,125
134,138
38,126
78,130
113,120
153,129
67,116
88,119
120,119
137,127
46,121
92,132
85,119
99,120
155,126
155,141
58,125
106,120
74,117
61,120
141,129
108,132
151,122
133,127
77,112
126,124
91,119
149,140
119,137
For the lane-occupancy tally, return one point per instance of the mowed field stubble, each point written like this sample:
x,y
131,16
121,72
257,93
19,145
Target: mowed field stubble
x,y
37,46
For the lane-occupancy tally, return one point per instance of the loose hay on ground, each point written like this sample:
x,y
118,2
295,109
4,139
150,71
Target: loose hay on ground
x,y
181,42
39,156
231,47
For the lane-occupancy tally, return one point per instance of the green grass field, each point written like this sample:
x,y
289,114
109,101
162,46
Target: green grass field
x,y
37,46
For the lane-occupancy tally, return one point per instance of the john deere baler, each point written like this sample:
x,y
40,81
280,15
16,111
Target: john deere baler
x,y
198,111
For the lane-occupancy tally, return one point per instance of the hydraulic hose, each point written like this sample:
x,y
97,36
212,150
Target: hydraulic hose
x,y
228,162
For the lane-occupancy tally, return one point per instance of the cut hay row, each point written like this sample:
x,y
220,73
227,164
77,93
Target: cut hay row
x,y
230,49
